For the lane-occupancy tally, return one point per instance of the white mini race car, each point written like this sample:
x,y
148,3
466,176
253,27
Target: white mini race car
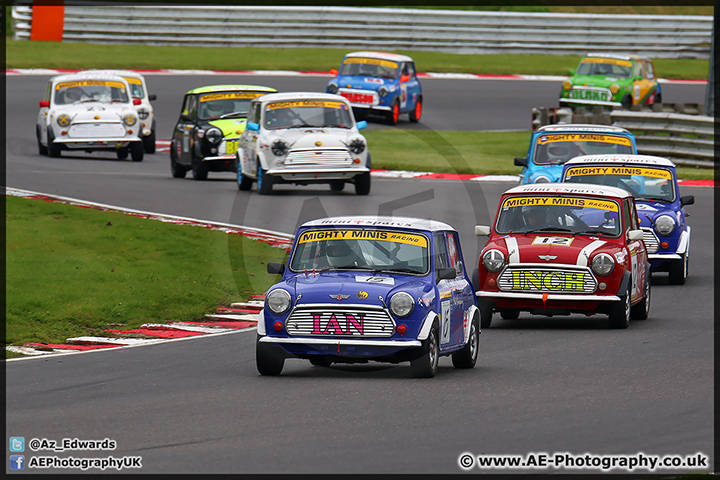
x,y
302,138
145,110
89,112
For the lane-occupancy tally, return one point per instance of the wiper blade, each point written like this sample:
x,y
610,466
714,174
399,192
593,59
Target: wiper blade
x,y
234,114
655,199
547,229
591,232
397,270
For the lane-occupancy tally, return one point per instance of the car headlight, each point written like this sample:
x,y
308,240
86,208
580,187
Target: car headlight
x,y
603,264
279,148
541,179
614,88
63,120
278,301
567,84
401,304
332,87
143,113
382,91
493,260
664,225
214,135
129,119
356,146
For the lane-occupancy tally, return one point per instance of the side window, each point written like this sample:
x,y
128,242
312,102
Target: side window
x,y
404,70
186,105
454,254
627,215
634,221
441,254
411,70
48,92
649,72
254,115
639,69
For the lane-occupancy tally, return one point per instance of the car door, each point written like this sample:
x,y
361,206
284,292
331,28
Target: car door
x,y
638,253
404,81
451,291
414,91
184,130
43,113
248,140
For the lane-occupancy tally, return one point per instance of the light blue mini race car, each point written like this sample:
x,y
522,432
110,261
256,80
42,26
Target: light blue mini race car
x,y
379,83
660,208
361,288
553,145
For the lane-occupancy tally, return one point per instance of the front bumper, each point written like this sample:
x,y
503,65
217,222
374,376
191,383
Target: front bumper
x,y
550,297
304,175
99,143
341,347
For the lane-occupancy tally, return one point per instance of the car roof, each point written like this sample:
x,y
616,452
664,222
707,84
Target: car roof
x,y
581,127
617,56
621,159
396,57
86,76
574,188
286,96
231,88
119,73
379,221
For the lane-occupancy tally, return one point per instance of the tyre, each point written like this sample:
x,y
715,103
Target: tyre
x,y
641,310
619,316
178,171
486,311
394,113
137,151
122,153
679,271
321,361
149,142
53,148
42,149
475,280
627,102
337,185
509,314
658,98
415,114
362,183
199,169
264,181
467,357
425,366
244,182
269,359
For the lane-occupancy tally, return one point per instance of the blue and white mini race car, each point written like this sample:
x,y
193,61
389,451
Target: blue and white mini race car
x,y
360,288
553,145
377,82
653,183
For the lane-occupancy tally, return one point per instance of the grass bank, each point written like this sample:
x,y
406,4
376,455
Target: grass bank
x,y
73,271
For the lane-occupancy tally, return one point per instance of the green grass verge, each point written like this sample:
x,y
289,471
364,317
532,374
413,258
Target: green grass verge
x,y
26,54
73,271
478,153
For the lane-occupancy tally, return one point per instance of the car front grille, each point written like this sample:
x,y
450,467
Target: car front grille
x,y
325,157
551,280
356,322
651,241
96,130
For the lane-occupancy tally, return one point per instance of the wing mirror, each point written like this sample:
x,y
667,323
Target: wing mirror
x,y
520,162
361,124
275,268
152,97
334,71
482,230
44,103
688,200
252,126
446,274
635,235
404,78
137,101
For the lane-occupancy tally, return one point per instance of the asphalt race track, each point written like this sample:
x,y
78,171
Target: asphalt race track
x,y
542,385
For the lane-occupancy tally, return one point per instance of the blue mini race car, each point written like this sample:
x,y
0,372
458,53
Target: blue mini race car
x,y
660,208
360,288
379,83
553,145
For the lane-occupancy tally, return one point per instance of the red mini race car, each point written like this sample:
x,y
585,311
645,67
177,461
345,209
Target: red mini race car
x,y
558,249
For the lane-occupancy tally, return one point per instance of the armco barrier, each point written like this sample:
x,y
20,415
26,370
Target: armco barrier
x,y
454,31
679,132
